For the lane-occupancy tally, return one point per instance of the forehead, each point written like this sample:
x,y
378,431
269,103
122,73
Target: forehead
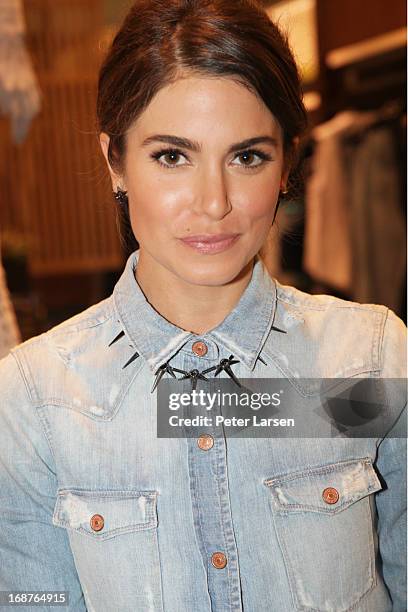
x,y
203,105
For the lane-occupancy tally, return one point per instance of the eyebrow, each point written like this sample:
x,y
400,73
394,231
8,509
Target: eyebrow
x,y
192,145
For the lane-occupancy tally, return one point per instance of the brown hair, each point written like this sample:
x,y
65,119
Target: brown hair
x,y
160,40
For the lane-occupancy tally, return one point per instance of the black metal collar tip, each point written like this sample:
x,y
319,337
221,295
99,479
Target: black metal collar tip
x,y
116,338
133,357
283,331
131,360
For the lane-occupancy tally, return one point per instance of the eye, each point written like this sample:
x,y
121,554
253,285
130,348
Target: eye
x,y
171,154
249,155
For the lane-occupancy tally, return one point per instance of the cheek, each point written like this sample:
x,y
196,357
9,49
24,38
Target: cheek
x,y
259,204
257,196
154,204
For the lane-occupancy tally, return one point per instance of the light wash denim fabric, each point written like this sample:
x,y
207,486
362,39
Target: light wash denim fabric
x,y
78,438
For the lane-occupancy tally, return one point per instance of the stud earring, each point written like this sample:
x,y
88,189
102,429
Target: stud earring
x,y
121,196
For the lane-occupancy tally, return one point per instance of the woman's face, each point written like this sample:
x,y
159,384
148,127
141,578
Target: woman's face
x,y
201,197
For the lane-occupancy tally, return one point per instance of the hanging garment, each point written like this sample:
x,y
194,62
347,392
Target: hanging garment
x,y
327,245
327,255
19,90
353,208
378,225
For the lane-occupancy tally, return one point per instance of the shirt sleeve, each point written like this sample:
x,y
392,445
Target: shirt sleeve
x,y
34,554
392,466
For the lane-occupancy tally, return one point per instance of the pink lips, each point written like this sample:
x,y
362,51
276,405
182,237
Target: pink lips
x,y
210,243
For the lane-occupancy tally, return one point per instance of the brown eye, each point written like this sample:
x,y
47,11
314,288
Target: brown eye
x,y
172,157
249,157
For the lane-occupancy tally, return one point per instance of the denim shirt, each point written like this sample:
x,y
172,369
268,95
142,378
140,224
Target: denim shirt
x,y
93,502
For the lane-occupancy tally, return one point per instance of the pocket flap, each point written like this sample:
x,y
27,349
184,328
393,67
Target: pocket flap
x,y
328,489
104,514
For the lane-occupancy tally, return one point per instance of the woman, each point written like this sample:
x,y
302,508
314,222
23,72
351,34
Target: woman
x,y
199,110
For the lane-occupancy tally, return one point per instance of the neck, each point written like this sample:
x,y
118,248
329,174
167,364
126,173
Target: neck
x,y
194,308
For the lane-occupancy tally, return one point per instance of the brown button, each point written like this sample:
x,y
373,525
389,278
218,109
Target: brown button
x,y
330,495
205,442
97,522
199,348
219,560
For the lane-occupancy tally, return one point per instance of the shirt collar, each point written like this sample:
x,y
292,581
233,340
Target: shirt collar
x,y
242,333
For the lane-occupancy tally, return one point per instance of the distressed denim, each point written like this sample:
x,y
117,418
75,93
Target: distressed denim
x,y
79,441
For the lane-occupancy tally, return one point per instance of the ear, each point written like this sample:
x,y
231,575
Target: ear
x,y
284,177
117,180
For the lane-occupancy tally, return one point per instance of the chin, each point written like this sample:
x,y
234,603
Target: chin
x,y
213,271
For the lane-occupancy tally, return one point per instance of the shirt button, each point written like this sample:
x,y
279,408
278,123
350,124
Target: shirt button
x,y
330,495
199,348
219,560
97,522
205,442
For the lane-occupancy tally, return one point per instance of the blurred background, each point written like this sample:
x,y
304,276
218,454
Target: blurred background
x,y
344,234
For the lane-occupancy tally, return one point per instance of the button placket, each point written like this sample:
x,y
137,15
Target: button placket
x,y
211,501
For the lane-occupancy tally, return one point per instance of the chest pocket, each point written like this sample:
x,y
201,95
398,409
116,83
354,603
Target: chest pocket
x,y
113,537
323,519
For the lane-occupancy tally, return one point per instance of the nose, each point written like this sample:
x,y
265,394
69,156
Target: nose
x,y
211,197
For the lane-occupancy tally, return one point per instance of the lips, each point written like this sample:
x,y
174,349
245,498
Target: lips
x,y
208,238
209,244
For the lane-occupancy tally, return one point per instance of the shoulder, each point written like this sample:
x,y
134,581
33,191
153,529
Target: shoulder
x,y
42,362
324,303
339,337
76,330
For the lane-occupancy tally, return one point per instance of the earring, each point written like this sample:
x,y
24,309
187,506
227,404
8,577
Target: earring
x,y
284,191
121,196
